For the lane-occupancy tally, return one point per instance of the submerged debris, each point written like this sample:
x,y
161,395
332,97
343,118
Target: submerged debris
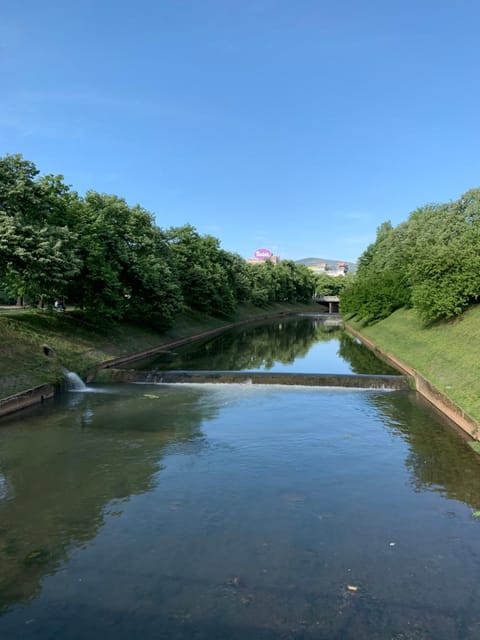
x,y
39,556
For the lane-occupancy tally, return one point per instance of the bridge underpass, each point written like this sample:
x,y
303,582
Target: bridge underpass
x,y
332,303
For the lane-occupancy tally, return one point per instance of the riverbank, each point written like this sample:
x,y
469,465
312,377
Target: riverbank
x,y
82,347
443,357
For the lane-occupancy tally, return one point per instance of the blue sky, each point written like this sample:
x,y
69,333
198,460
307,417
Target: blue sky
x,y
294,125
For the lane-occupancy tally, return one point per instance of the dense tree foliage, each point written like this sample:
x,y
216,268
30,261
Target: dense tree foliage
x,y
37,247
111,259
430,262
127,270
326,285
204,271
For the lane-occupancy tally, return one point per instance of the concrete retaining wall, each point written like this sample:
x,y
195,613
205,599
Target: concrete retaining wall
x,y
25,399
425,388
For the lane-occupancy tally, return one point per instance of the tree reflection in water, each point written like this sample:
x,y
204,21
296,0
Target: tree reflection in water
x,y
60,471
438,457
261,347
243,509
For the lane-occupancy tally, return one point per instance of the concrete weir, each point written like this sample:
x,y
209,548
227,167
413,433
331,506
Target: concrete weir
x,y
359,381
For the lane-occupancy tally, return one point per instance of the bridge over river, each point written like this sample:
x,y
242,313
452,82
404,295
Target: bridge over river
x,y
332,302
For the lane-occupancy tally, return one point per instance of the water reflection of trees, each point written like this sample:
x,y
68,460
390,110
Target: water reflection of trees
x,y
361,359
439,458
265,345
252,347
59,473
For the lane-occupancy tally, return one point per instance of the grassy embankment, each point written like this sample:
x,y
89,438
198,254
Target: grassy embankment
x,y
446,353
80,345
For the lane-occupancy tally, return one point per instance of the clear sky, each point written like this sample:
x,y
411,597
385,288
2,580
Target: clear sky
x,y
295,125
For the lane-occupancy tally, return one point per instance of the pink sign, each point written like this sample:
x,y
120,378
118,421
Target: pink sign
x,y
263,254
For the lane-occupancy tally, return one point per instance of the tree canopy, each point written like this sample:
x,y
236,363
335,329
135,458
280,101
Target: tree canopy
x,y
112,260
430,262
37,247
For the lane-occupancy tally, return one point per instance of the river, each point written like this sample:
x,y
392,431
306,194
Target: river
x,y
240,511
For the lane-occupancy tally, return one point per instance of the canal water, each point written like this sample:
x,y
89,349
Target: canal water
x,y
296,345
238,511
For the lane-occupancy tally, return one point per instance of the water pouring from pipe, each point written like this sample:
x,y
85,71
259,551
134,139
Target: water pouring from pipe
x,y
75,383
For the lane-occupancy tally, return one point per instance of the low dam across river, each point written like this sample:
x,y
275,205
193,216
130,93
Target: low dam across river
x,y
360,381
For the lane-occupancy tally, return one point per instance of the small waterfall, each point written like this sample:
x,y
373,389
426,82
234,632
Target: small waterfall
x,y
75,383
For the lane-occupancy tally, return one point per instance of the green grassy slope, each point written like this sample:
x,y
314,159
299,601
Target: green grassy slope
x,y
447,354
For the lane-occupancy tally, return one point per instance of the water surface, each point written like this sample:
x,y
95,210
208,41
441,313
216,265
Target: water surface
x,y
237,511
300,344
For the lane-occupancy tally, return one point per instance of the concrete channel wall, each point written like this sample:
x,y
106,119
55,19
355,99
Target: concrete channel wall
x,y
425,388
27,398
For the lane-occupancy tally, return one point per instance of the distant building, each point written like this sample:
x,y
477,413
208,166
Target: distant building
x,y
322,267
319,267
263,255
274,259
330,267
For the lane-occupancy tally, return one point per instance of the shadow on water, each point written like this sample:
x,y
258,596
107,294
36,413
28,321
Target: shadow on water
x,y
62,474
438,458
60,469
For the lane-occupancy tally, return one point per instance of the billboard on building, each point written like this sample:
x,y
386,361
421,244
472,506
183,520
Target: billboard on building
x,y
263,254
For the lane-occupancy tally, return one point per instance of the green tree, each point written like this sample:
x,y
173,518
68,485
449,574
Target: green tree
x,y
326,285
38,250
205,271
263,289
431,262
128,270
380,285
444,270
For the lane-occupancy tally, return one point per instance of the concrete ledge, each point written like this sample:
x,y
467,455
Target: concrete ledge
x,y
305,379
27,398
425,388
